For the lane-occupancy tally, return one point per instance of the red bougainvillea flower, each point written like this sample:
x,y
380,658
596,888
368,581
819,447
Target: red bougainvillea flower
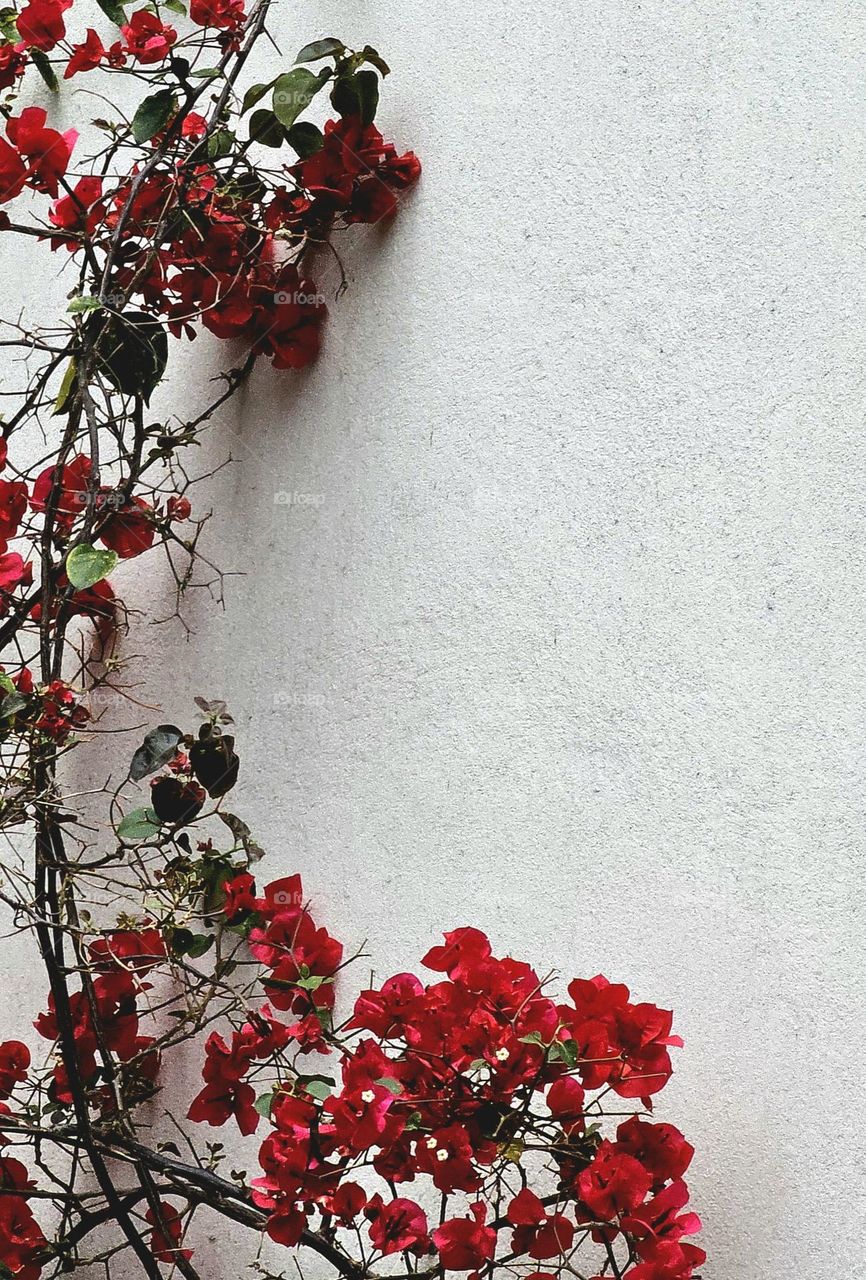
x,y
128,527
48,152
40,23
85,56
660,1148
397,1226
13,61
14,571
668,1261
13,172
465,1244
617,1042
136,950
14,1063
463,955
218,1102
565,1099
146,38
72,498
81,211
537,1233
166,1235
225,1095
660,1218
225,14
612,1184
13,504
356,172
178,508
388,1012
21,1238
240,895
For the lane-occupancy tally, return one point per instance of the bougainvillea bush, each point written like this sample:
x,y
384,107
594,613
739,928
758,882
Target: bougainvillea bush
x,y
478,1119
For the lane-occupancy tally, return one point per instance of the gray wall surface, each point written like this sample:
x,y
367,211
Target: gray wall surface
x,y
553,615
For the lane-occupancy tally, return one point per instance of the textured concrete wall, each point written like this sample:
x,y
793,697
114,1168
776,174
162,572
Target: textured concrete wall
x,y
561,630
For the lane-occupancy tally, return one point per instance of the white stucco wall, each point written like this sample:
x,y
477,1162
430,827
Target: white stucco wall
x,y
566,638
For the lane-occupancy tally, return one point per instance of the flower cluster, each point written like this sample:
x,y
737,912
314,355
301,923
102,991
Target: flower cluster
x,y
453,1084
21,1237
104,1021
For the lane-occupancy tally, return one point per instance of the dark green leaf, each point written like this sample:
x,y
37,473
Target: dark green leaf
x,y
320,49
11,705
86,565
305,138
140,824
254,94
346,96
242,835
153,114
367,83
263,1104
220,144
294,92
132,351
45,69
113,11
201,942
205,73
266,129
176,6
375,59
159,746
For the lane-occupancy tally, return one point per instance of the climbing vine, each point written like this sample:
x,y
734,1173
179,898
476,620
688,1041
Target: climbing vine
x,y
475,1121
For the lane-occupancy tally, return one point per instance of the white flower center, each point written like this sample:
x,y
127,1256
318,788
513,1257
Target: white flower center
x,y
441,1156
368,1096
503,1054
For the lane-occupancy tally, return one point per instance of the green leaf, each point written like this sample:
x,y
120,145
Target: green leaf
x,y
320,49
140,824
11,705
67,388
393,1086
186,943
45,69
318,1088
159,746
113,11
254,94
86,565
357,95
294,92
205,73
132,353
201,942
8,27
266,129
305,138
369,54
85,303
220,144
368,94
153,114
263,1104
176,6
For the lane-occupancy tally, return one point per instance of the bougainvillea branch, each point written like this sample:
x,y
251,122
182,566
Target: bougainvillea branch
x,y
473,1123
